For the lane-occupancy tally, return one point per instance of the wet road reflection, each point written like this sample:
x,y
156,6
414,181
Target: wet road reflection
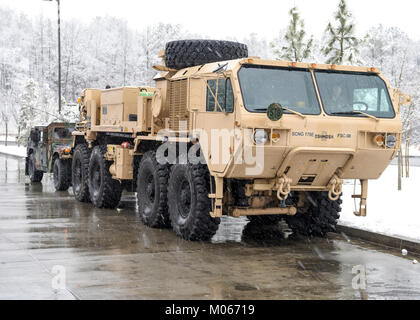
x,y
110,254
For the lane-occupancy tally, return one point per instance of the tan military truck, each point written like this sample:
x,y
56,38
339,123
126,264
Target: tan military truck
x,y
222,133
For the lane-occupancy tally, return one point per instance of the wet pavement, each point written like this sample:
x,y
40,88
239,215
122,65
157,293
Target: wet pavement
x,y
110,254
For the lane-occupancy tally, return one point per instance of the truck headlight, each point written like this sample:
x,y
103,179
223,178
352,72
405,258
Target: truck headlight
x,y
260,136
391,141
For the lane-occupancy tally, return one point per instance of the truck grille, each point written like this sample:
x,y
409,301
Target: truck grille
x,y
178,112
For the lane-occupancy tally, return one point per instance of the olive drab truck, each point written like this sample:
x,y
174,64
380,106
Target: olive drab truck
x,y
48,150
222,133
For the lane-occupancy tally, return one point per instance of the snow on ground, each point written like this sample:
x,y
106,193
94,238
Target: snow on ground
x,y
414,151
10,137
389,211
13,150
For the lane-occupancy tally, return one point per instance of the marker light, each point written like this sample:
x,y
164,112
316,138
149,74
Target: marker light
x,y
275,137
125,145
333,66
379,140
293,64
67,150
313,65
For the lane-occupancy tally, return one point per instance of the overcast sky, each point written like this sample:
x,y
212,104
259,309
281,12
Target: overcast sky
x,y
231,18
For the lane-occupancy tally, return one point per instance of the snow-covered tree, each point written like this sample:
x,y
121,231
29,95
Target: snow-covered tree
x,y
15,116
27,114
37,107
257,47
7,112
341,43
151,41
5,118
391,50
107,51
69,112
296,46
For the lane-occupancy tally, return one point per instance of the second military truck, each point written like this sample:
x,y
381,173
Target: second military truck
x,y
49,150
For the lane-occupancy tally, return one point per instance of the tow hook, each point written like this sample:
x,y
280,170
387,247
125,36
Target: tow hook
x,y
336,188
283,187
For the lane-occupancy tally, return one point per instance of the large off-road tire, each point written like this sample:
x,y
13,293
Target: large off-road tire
x,y
104,191
320,218
265,219
80,172
152,191
188,53
62,174
189,204
34,175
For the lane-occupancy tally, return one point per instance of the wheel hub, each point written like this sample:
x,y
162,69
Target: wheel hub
x,y
150,188
185,199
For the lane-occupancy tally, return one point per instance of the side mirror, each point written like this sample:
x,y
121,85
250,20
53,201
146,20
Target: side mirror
x,y
403,100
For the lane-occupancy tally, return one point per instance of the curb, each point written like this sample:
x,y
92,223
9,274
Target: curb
x,y
379,239
12,155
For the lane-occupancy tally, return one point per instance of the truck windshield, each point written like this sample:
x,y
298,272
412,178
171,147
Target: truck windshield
x,y
292,89
63,133
346,94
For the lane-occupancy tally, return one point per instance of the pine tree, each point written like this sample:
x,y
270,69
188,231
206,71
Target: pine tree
x,y
296,47
342,44
257,47
151,41
27,112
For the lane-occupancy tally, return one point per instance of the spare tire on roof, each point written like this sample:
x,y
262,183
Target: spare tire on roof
x,y
188,53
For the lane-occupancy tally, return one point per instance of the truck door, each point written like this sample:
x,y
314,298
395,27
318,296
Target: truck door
x,y
215,116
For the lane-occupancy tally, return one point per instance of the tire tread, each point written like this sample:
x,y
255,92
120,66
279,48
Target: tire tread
x,y
161,217
84,152
64,175
112,189
317,221
188,53
201,226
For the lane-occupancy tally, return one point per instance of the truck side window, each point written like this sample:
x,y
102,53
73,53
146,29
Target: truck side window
x,y
230,101
221,95
210,98
222,89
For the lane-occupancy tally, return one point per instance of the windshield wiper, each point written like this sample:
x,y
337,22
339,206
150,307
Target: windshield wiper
x,y
355,112
295,112
285,109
